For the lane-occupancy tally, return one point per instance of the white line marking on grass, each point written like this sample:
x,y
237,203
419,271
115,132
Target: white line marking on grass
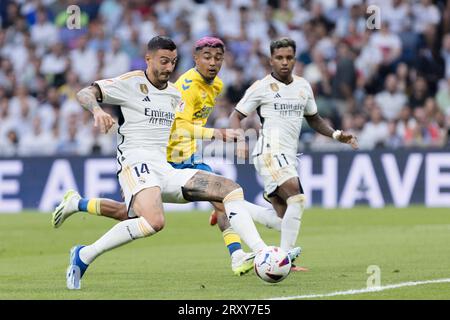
x,y
365,290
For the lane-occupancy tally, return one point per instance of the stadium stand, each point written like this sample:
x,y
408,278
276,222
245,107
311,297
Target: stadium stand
x,y
390,86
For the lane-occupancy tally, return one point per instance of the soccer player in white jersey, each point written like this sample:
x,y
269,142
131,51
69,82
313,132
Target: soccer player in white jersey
x,y
282,100
198,87
148,102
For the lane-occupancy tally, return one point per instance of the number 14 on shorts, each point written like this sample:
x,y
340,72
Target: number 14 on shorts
x,y
141,168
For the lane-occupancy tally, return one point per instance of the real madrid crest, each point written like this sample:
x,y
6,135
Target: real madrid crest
x,y
203,94
274,87
143,88
303,95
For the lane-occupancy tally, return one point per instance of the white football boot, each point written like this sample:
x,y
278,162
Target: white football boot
x,y
67,207
242,262
294,253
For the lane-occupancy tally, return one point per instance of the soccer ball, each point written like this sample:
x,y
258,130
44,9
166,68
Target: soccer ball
x,y
272,264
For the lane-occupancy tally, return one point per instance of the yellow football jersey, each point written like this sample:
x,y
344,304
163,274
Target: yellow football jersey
x,y
191,115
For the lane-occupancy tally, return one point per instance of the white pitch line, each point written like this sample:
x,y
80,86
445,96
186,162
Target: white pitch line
x,y
365,290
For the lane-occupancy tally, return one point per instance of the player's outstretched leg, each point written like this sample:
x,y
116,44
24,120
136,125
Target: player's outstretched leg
x,y
73,203
205,186
265,216
234,202
291,192
148,206
241,262
292,221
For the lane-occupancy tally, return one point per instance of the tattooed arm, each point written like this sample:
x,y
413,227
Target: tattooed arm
x,y
87,97
321,126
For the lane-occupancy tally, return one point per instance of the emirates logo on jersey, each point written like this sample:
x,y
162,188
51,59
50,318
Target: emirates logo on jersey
x,y
289,109
159,117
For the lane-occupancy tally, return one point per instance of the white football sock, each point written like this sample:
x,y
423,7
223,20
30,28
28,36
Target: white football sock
x,y
121,233
241,221
265,216
290,225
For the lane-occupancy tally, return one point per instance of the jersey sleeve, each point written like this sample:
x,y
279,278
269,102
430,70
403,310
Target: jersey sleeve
x,y
251,99
113,91
185,115
311,107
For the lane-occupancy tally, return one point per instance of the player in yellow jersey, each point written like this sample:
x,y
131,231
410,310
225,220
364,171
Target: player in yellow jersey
x,y
198,94
199,88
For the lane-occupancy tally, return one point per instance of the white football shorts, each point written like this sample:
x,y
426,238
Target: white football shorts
x,y
141,169
275,169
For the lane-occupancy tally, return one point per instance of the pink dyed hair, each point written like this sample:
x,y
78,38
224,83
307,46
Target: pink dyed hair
x,y
212,42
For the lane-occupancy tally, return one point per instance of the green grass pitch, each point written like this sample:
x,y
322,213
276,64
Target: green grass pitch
x,y
188,259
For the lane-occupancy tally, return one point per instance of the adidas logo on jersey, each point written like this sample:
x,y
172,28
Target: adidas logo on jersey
x,y
277,95
146,99
232,214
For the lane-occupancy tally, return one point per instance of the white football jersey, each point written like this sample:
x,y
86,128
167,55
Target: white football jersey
x,y
147,112
281,109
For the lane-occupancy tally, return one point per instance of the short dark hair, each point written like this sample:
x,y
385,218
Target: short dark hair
x,y
161,42
282,43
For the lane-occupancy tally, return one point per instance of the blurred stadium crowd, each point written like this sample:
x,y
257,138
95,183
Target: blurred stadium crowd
x,y
390,86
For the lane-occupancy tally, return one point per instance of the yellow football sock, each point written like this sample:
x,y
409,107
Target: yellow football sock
x,y
93,206
232,240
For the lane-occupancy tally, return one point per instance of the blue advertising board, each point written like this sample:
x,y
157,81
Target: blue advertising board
x,y
339,179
